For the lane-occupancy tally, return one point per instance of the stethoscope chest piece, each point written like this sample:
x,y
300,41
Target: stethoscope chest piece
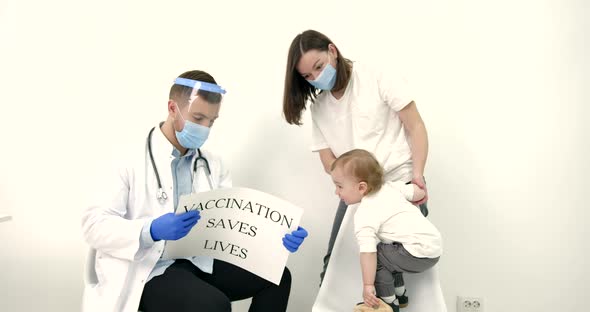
x,y
162,196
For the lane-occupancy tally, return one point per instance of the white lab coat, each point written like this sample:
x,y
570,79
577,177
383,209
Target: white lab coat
x,y
113,225
342,286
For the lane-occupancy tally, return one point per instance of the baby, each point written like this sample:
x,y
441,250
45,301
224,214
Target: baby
x,y
392,233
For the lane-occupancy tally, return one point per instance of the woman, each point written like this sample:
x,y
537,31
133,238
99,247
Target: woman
x,y
354,106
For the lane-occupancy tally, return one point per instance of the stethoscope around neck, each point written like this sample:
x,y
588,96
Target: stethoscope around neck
x,y
161,194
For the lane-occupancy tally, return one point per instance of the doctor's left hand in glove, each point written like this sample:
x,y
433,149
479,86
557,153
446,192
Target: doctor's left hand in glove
x,y
128,227
295,239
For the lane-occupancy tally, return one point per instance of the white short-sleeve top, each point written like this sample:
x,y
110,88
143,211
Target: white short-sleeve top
x,y
366,117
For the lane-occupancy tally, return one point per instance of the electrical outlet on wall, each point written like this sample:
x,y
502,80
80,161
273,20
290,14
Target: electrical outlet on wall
x,y
469,304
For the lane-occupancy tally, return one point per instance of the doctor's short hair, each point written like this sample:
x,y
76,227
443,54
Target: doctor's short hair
x,y
362,165
181,94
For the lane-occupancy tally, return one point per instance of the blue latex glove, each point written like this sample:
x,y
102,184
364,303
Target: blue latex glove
x,y
295,239
172,227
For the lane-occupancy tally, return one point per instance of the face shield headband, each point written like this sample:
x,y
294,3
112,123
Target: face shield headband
x,y
197,85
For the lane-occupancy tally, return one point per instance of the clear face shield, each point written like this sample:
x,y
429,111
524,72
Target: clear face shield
x,y
210,92
194,135
196,127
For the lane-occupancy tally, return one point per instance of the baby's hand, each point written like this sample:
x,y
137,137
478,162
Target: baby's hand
x,y
369,296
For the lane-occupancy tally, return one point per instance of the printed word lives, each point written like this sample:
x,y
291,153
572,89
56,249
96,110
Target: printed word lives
x,y
230,248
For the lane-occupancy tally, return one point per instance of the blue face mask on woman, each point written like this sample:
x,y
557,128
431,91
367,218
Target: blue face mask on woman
x,y
326,79
193,135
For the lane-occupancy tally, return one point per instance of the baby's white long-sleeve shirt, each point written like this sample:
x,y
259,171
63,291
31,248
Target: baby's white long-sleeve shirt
x,y
387,216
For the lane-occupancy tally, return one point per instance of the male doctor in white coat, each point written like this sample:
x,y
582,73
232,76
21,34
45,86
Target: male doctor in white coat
x,y
135,217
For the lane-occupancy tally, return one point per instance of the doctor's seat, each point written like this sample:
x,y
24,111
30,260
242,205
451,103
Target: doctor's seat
x,y
89,272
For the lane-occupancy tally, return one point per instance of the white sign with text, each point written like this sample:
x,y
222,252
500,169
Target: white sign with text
x,y
241,226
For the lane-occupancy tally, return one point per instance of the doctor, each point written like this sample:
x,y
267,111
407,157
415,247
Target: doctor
x,y
129,227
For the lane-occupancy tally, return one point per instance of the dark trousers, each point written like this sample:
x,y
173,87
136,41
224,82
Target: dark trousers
x,y
392,260
184,287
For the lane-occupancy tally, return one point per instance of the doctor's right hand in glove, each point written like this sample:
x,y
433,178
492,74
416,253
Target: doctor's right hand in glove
x,y
172,226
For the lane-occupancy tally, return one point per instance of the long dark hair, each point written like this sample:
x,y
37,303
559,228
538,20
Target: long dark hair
x,y
297,90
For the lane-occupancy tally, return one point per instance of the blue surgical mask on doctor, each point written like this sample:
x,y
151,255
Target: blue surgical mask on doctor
x,y
326,79
193,135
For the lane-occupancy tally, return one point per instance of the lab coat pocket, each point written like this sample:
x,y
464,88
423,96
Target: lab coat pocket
x,y
109,268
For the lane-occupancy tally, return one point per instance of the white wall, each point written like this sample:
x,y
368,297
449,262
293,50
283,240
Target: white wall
x,y
502,86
